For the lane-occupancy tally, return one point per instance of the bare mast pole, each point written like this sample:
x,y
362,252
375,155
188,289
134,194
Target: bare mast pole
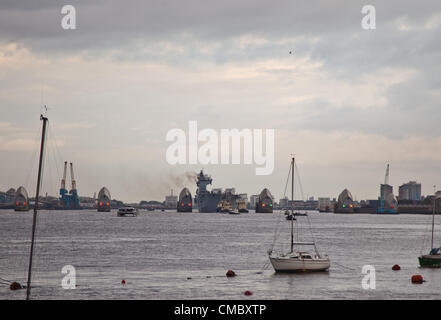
x,y
433,215
292,205
34,219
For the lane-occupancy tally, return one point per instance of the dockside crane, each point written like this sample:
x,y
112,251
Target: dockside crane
x,y
73,191
387,202
63,191
69,200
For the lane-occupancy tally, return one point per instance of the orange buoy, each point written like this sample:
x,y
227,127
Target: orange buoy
x,y
417,278
248,293
15,286
123,282
230,273
396,267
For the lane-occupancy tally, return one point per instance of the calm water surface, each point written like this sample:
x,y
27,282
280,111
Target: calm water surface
x,y
169,255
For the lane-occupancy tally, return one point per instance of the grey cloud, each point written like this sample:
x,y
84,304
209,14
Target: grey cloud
x,y
111,24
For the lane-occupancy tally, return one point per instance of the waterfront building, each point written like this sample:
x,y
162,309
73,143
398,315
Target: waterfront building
x,y
283,203
410,191
244,197
10,195
253,200
324,204
171,201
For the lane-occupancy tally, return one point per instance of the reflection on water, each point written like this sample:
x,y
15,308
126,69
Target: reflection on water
x,y
169,255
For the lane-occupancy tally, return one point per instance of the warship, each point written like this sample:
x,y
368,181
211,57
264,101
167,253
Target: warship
x,y
207,201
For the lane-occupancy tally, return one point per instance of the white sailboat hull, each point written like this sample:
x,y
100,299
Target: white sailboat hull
x,y
287,264
302,261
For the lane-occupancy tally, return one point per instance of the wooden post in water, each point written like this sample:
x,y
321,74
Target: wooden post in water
x,y
34,220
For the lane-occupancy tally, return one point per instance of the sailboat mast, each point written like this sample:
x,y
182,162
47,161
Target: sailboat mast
x,y
292,205
433,215
34,220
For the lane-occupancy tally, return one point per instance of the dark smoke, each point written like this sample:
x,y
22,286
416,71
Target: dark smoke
x,y
187,179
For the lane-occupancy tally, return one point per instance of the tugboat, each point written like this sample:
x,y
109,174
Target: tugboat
x,y
224,206
242,207
295,214
293,261
124,211
433,259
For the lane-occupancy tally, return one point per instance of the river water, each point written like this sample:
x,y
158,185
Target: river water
x,y
169,255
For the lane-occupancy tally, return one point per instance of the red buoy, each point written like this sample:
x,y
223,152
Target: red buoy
x,y
417,278
123,282
15,286
230,273
248,293
396,267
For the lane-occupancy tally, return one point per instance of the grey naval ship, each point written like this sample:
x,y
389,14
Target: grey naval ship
x,y
207,201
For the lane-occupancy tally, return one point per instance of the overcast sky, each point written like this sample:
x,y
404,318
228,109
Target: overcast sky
x,y
346,101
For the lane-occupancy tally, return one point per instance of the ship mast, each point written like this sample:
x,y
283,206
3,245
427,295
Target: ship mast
x,y
433,214
34,219
292,204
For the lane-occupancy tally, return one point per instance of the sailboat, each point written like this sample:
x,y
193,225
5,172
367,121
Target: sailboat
x,y
433,259
296,260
